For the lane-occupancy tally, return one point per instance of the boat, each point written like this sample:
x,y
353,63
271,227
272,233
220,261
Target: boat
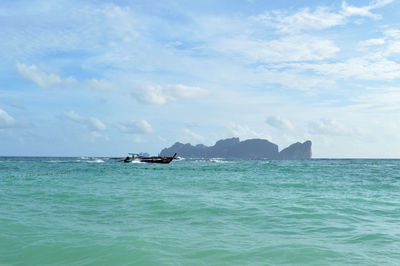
x,y
148,159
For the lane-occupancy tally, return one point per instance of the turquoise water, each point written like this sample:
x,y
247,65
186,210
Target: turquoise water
x,y
199,212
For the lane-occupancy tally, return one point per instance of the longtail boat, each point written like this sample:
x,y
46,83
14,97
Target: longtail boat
x,y
149,159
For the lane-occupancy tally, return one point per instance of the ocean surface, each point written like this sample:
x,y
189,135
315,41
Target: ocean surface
x,y
97,211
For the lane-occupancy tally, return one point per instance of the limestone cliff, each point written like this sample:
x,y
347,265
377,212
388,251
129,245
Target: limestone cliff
x,y
234,148
297,151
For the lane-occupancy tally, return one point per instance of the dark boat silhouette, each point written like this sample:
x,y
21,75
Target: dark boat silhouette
x,y
149,159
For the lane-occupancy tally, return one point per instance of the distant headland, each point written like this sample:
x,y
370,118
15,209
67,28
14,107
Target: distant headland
x,y
247,149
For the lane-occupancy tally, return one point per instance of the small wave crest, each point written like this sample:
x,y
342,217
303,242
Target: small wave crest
x,y
96,161
218,161
56,161
211,160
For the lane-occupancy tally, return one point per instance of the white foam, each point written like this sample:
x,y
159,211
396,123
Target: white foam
x,y
217,161
96,161
135,161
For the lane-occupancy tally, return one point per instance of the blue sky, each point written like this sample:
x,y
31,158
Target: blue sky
x,y
104,78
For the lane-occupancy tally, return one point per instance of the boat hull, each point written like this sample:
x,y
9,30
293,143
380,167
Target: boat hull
x,y
155,159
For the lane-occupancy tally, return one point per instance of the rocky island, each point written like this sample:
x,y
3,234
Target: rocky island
x,y
247,149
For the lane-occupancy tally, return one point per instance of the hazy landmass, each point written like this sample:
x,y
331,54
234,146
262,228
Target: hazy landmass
x,y
247,149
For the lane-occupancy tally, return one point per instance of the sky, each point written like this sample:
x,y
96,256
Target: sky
x,y
105,78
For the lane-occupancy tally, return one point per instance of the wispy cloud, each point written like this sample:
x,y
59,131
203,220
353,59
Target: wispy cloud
x,y
192,135
318,19
305,19
241,62
100,84
328,127
6,121
91,123
135,127
385,46
392,33
384,98
362,68
242,131
364,11
11,103
43,79
291,48
393,48
157,94
279,123
95,136
84,28
372,42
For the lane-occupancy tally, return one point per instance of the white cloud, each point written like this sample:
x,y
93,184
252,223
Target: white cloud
x,y
94,136
99,84
93,124
102,27
6,121
328,127
291,48
392,33
157,94
392,48
242,131
44,80
372,42
119,22
151,94
279,123
380,3
390,38
364,11
289,79
192,135
136,127
302,20
386,98
320,18
184,92
364,68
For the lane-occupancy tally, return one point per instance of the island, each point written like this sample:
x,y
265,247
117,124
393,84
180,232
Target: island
x,y
235,149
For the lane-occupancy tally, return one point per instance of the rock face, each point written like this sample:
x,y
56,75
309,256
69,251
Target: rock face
x,y
297,151
234,148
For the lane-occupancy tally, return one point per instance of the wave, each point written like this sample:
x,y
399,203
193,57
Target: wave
x,y
210,160
96,161
218,161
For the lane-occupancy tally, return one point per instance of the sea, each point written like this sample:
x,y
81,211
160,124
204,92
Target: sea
x,y
100,211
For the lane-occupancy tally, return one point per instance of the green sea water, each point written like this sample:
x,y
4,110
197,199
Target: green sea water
x,y
92,211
